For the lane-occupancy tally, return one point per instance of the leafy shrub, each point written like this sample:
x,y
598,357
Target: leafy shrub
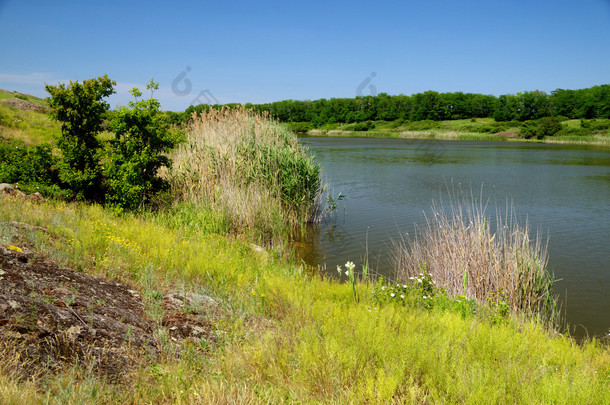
x,y
299,127
574,132
133,158
123,173
364,126
548,126
80,110
528,129
34,168
599,125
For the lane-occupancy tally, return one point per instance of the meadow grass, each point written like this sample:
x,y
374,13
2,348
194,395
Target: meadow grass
x,y
479,129
293,336
31,127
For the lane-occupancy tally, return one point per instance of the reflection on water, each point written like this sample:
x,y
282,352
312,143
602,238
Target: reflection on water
x,y
562,190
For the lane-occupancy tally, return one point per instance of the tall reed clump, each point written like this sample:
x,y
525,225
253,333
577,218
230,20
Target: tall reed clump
x,y
496,264
248,167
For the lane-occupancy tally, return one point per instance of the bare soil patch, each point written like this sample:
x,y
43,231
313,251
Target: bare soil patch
x,y
52,317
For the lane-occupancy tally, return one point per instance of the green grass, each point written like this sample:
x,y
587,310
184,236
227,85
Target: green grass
x,y
294,337
31,127
481,129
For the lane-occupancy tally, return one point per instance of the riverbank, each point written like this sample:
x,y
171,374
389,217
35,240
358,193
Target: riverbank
x,y
480,129
278,331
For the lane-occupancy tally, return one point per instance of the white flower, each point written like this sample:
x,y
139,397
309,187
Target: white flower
x,y
347,272
402,296
411,278
419,280
383,287
339,269
392,295
404,286
425,297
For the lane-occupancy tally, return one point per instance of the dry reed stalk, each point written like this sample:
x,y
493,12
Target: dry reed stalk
x,y
467,257
248,167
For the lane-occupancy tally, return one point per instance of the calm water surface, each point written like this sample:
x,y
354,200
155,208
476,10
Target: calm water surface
x,y
389,184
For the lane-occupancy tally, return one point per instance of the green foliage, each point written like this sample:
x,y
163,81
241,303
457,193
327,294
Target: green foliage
x,y
431,105
123,171
529,129
33,167
299,127
80,110
548,126
364,126
134,157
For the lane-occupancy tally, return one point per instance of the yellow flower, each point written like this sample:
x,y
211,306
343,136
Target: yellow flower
x,y
15,248
253,292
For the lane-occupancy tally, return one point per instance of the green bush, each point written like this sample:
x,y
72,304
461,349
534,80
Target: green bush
x,y
364,126
548,126
133,158
34,168
123,171
528,129
80,110
599,125
299,127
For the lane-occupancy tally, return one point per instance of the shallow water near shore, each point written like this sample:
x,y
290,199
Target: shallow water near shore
x,y
563,191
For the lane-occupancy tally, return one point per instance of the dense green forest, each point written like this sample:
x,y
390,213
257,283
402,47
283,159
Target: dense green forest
x,y
587,103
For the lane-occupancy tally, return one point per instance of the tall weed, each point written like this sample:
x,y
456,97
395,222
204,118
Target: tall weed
x,y
469,254
248,167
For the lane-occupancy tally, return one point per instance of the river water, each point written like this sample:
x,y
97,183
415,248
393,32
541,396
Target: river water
x,y
388,185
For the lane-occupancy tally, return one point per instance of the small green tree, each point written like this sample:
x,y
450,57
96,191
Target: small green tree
x,y
548,126
133,158
80,110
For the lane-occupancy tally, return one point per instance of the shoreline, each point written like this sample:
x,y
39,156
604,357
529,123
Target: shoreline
x,y
447,136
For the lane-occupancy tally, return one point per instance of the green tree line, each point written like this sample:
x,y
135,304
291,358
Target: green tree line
x,y
587,103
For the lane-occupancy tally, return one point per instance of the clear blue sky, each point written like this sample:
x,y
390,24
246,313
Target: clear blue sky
x,y
257,52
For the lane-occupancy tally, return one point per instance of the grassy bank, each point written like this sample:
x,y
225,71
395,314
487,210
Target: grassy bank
x,y
479,129
289,336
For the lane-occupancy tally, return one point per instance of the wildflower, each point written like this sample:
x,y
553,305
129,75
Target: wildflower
x,y
15,248
424,297
339,270
411,278
404,286
383,287
402,296
419,280
392,295
253,292
347,272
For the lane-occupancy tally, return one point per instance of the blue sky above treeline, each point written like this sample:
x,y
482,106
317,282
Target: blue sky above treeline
x,y
238,51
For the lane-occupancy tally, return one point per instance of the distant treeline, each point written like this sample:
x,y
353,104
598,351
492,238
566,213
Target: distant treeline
x,y
588,103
